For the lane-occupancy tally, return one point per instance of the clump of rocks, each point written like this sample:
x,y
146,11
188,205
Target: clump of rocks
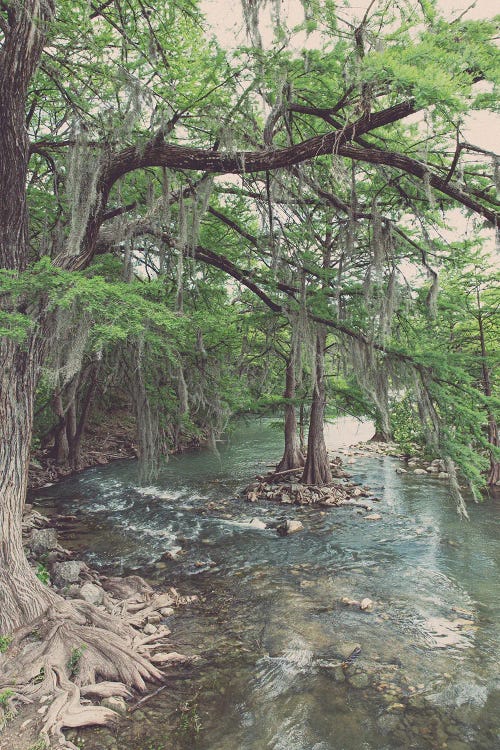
x,y
286,489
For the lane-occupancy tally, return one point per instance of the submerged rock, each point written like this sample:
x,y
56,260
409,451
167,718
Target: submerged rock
x,y
359,680
366,605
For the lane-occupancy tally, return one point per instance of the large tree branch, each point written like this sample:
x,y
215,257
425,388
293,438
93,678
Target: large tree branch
x,y
185,157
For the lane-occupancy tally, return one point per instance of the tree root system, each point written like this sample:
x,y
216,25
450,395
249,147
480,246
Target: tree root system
x,y
78,655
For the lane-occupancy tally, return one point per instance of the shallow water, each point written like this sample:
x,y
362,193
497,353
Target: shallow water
x,y
270,626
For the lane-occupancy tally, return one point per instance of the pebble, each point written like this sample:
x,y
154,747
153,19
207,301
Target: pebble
x,y
366,605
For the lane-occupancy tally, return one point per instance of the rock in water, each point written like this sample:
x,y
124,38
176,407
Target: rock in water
x,y
420,471
289,527
366,605
256,523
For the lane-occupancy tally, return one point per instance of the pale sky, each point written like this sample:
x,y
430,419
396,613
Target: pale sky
x,y
226,19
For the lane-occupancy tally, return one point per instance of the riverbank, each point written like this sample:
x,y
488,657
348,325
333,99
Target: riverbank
x,y
111,437
32,714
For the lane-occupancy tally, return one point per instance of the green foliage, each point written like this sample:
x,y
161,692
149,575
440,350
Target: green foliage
x,y
42,574
73,665
5,697
406,426
190,721
39,745
5,641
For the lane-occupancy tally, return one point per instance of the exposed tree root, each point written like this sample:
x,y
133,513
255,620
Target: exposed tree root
x,y
77,652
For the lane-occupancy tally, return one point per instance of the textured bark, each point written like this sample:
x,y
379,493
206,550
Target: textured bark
x,y
61,447
292,455
79,424
317,468
22,596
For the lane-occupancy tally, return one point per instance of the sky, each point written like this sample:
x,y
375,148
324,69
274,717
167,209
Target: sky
x,y
226,19
480,128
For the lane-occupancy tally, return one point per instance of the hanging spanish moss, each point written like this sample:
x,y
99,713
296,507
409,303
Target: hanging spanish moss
x,y
429,193
201,199
433,293
496,172
81,188
455,488
373,378
251,10
182,239
67,345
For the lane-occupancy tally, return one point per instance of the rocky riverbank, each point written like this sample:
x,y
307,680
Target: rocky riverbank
x,y
130,600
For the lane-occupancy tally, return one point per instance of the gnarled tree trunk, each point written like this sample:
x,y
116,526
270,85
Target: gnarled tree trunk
x,y
22,596
292,455
317,468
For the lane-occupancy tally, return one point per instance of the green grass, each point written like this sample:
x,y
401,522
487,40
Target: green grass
x,y
5,641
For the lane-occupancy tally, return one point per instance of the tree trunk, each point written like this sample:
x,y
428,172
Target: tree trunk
x,y
61,447
22,596
317,469
292,456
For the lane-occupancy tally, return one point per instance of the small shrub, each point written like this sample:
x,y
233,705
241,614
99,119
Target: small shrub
x,y
42,573
5,641
4,697
74,660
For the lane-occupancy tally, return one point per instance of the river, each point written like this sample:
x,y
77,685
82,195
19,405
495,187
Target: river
x,y
270,626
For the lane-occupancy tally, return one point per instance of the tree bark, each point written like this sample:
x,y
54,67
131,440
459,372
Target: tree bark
x,y
317,468
292,456
22,596
61,447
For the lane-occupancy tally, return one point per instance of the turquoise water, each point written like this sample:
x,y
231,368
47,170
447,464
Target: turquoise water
x,y
270,626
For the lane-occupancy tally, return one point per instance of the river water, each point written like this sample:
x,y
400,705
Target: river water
x,y
270,626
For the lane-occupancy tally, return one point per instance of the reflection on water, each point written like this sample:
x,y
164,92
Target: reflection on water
x,y
270,625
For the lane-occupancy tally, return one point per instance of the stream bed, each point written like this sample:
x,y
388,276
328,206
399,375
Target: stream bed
x,y
284,662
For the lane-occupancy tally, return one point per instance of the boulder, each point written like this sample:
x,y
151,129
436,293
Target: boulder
x,y
359,680
256,523
289,527
400,470
67,572
443,475
419,471
366,605
373,517
345,650
91,593
42,541
150,629
115,703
